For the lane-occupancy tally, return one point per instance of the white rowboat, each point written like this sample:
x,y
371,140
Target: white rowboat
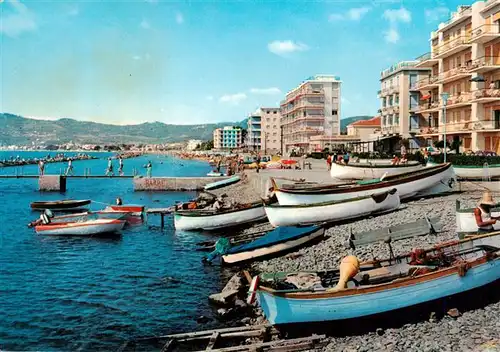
x,y
84,228
212,220
360,171
222,183
466,221
472,172
289,215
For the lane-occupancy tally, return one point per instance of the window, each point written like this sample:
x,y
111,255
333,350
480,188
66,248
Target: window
x,y
396,119
274,126
274,112
268,126
334,112
268,112
396,99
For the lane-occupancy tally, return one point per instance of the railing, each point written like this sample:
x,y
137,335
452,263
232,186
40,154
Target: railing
x,y
427,106
426,56
485,29
428,130
306,91
462,97
389,90
485,61
453,43
454,72
465,11
468,126
486,93
427,81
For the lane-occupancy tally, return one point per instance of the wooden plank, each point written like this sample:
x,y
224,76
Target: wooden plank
x,y
273,344
166,347
213,341
205,333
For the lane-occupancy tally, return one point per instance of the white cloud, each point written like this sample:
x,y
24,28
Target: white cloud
x,y
345,101
398,15
392,35
145,24
233,99
436,14
21,20
286,47
209,97
179,18
353,14
266,91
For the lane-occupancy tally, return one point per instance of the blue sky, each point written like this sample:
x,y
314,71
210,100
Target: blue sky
x,y
127,62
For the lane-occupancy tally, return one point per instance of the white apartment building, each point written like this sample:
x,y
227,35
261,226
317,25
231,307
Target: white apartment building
x,y
311,109
254,130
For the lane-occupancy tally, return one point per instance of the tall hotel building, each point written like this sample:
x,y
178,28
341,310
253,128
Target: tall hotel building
x,y
228,137
464,62
311,109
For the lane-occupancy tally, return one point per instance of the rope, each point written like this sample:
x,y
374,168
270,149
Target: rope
x,y
107,204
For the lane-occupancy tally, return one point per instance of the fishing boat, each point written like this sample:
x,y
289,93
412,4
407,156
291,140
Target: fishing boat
x,y
222,183
61,205
82,228
214,174
367,289
475,172
208,219
466,221
368,170
275,243
427,181
289,215
129,210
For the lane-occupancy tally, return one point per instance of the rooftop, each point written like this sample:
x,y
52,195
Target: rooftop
x,y
375,121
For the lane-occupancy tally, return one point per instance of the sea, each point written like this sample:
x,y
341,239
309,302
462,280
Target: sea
x,y
91,294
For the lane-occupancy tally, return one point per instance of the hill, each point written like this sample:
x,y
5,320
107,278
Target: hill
x,y
18,130
349,120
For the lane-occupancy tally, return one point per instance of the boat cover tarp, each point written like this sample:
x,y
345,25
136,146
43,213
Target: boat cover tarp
x,y
278,235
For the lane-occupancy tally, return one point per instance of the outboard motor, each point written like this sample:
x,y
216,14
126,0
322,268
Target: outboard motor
x,y
49,213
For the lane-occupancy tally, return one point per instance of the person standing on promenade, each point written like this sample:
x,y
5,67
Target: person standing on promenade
x,y
109,170
120,167
329,162
346,157
149,169
258,162
69,169
41,167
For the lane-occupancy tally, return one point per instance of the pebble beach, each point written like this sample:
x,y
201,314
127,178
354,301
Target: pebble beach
x,y
473,330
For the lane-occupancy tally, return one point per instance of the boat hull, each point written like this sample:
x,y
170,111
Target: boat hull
x,y
222,183
332,211
284,310
125,210
86,228
218,220
439,182
466,221
273,249
475,173
69,205
355,171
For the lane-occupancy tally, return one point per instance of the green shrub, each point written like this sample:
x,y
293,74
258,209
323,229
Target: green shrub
x,y
461,159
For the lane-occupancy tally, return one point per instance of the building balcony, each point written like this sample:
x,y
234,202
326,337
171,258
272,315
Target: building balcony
x,y
426,107
309,130
427,83
453,46
392,129
426,60
313,118
463,13
485,64
470,126
454,74
485,33
302,92
485,95
429,130
458,100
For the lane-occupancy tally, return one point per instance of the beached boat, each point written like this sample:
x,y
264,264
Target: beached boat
x,y
222,183
360,171
289,215
61,205
427,181
360,290
83,228
208,219
214,174
473,172
130,210
275,243
466,221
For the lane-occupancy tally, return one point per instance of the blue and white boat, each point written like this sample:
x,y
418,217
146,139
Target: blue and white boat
x,y
274,243
222,183
419,277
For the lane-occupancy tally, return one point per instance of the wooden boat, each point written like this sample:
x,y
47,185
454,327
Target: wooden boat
x,y
466,221
61,205
208,219
289,215
222,183
473,172
382,286
431,180
130,210
83,228
214,174
360,171
275,243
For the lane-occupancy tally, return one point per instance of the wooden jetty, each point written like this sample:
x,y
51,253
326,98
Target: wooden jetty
x,y
162,212
237,339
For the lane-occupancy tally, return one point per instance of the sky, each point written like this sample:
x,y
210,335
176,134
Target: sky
x,y
190,62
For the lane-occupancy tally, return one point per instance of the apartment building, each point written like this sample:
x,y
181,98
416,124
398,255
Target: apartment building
x,y
460,98
271,130
367,131
311,109
229,137
398,98
254,130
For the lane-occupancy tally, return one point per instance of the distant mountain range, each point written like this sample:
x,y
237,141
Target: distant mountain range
x,y
349,120
18,130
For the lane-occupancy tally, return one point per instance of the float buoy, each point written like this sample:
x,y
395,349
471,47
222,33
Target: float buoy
x,y
253,290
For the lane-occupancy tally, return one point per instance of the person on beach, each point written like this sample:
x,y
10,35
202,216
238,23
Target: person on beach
x,y
69,169
120,167
482,213
346,158
41,167
329,162
109,170
258,163
395,160
149,169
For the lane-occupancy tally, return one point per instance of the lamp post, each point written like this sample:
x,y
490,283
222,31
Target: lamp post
x,y
444,97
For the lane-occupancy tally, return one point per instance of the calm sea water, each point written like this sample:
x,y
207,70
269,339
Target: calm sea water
x,y
66,293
